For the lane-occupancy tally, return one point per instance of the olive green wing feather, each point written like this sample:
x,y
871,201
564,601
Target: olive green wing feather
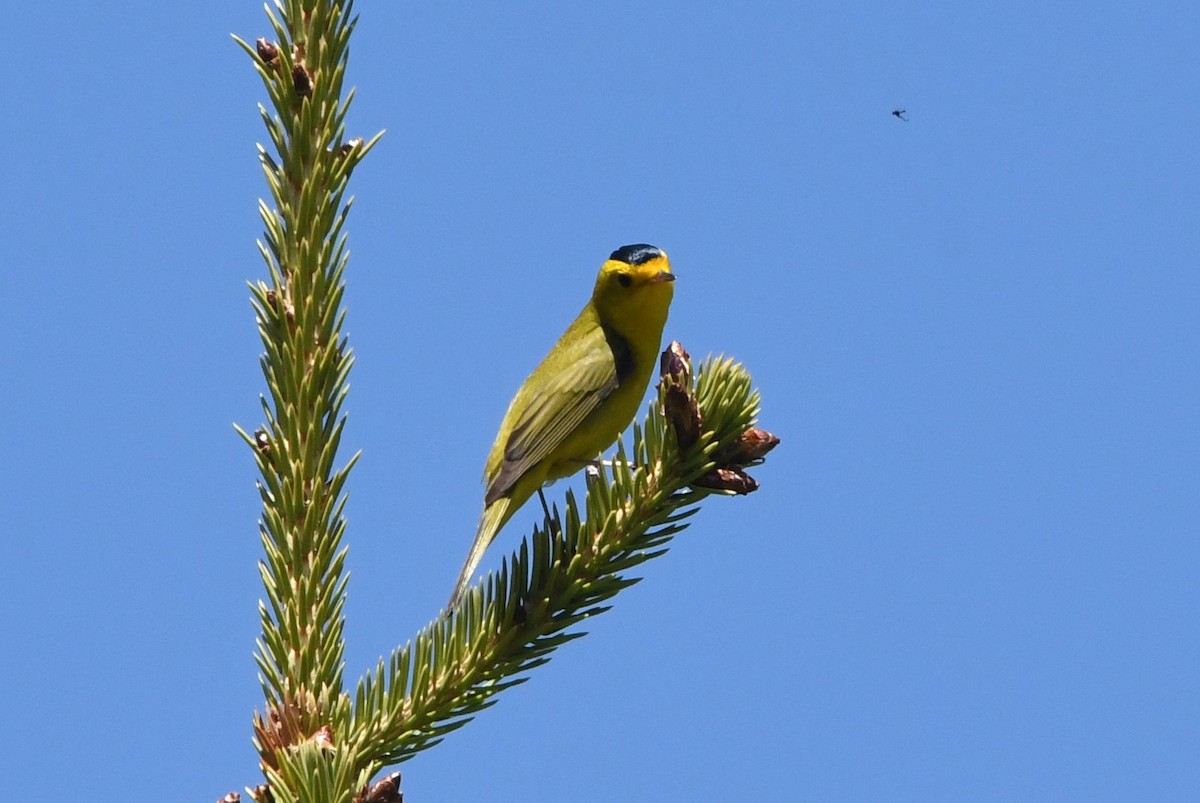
x,y
592,367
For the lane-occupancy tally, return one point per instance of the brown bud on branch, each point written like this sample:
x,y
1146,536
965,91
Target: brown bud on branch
x,y
728,479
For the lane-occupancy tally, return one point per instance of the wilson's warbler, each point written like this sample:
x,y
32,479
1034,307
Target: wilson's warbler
x,y
582,395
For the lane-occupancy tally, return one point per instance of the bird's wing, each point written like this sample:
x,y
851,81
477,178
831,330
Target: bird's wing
x,y
592,369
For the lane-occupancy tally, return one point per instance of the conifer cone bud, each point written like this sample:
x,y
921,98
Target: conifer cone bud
x,y
728,479
302,81
267,51
679,405
752,446
385,791
676,364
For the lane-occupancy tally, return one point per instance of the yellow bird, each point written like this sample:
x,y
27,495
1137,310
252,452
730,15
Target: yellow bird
x,y
582,395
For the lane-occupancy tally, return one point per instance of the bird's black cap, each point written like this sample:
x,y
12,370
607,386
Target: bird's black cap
x,y
636,254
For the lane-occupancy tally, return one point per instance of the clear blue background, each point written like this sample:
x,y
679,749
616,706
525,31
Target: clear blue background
x,y
972,569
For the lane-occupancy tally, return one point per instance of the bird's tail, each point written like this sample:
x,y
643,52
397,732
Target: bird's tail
x,y
494,517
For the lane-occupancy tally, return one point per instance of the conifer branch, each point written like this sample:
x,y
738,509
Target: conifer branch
x,y
564,575
306,363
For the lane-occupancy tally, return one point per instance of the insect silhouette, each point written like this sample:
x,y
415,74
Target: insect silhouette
x,y
899,114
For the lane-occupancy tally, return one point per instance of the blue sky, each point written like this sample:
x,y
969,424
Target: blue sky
x,y
972,569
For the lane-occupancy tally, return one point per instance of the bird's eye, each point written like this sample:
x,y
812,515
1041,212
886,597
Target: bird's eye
x,y
625,279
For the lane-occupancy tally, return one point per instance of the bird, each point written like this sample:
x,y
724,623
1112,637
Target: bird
x,y
899,113
581,396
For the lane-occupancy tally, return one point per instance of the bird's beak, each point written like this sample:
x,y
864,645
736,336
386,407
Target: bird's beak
x,y
662,276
